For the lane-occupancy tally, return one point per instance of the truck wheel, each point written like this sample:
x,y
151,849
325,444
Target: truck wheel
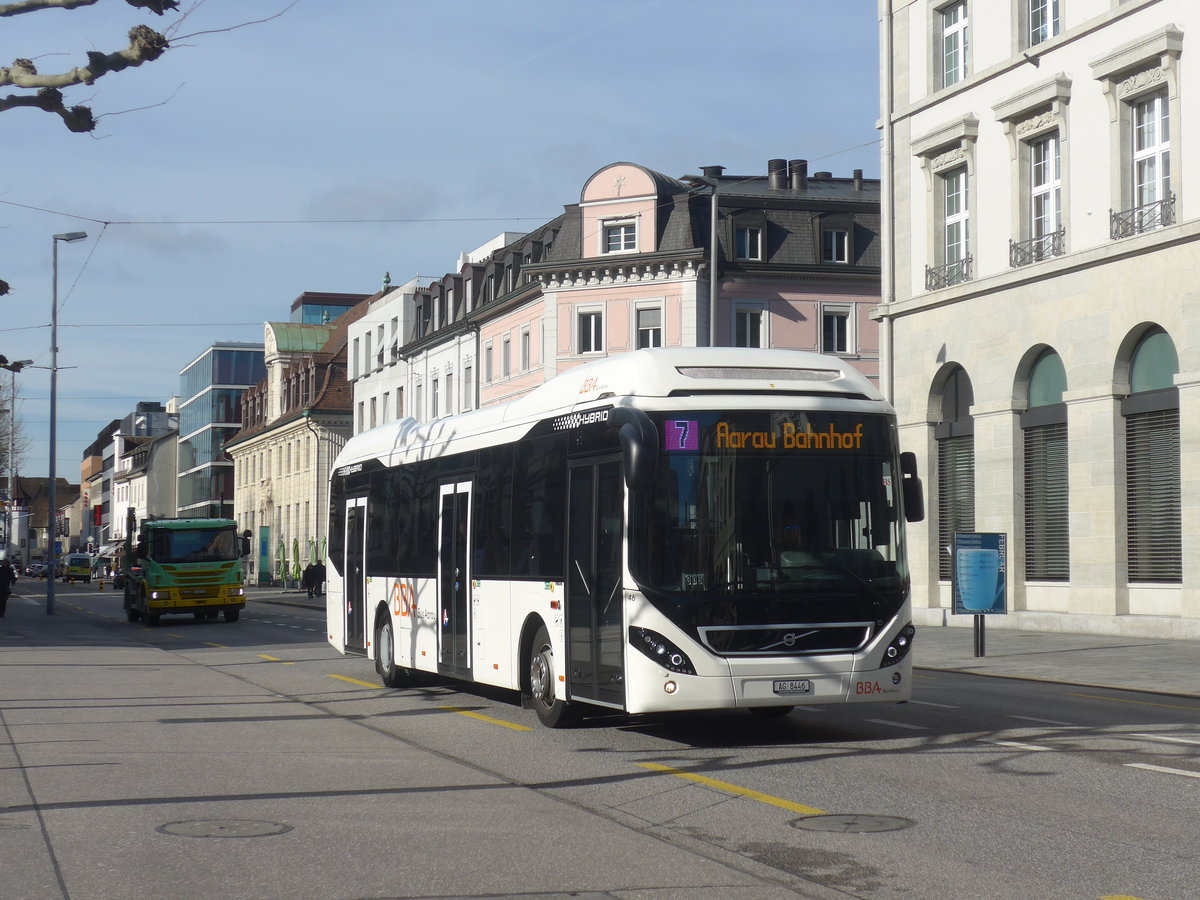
x,y
231,615
132,614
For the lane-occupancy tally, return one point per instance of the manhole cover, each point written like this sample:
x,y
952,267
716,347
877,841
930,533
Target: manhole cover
x,y
852,823
226,828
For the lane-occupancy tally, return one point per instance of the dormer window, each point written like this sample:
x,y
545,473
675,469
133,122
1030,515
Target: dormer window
x,y
835,245
748,243
620,236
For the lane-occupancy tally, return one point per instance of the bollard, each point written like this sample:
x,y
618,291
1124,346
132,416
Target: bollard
x,y
101,583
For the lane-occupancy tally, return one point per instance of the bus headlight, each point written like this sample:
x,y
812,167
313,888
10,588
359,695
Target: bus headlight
x,y
899,647
662,651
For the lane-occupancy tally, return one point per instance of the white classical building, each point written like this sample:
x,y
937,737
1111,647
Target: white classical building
x,y
1040,328
294,423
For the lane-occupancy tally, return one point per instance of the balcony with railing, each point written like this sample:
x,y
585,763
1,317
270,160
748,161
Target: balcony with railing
x,y
950,274
1123,223
1046,246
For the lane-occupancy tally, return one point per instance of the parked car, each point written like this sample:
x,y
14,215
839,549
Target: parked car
x,y
36,570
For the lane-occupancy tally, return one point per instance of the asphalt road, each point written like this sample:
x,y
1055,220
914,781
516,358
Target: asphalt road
x,y
139,762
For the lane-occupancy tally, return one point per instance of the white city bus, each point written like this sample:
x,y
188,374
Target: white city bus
x,y
660,530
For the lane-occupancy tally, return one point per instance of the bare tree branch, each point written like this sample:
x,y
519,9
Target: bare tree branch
x,y
77,118
158,7
145,45
184,37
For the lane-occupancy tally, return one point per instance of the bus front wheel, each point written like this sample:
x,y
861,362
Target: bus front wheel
x,y
552,712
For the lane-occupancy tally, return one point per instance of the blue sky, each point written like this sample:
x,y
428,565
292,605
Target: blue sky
x,y
463,117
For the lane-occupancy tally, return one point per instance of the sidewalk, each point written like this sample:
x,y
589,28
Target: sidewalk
x,y
1142,664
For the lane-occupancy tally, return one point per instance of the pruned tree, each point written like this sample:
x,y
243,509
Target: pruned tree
x,y
145,45
44,90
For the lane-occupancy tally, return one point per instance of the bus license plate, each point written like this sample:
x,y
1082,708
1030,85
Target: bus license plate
x,y
793,687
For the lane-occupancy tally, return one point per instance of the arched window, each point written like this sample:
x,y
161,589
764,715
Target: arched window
x,y
1154,532
1044,428
955,435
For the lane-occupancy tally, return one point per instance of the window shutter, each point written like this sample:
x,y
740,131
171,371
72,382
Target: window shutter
x,y
956,495
1155,546
1047,519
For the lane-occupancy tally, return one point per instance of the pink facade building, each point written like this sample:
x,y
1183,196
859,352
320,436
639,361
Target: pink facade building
x,y
797,263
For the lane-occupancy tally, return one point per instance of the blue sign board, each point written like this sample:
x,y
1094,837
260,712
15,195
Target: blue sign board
x,y
980,573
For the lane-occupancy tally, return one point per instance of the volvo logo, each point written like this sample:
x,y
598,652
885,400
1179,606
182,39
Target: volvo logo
x,y
789,640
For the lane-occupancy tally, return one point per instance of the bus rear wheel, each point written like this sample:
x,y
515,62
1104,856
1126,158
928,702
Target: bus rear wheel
x,y
390,674
552,712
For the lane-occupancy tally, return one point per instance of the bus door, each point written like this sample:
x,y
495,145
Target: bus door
x,y
595,529
454,579
354,574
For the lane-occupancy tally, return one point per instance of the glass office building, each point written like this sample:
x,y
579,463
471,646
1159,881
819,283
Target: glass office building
x,y
210,391
321,308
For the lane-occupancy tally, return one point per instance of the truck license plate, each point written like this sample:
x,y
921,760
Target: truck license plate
x,y
793,687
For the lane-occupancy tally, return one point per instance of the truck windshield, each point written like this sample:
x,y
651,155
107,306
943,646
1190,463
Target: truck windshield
x,y
784,512
194,545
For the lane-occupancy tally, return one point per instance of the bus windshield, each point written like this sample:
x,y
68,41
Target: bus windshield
x,y
786,507
204,545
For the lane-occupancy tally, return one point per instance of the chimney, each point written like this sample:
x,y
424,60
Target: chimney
x,y
798,170
712,171
822,176
858,179
777,173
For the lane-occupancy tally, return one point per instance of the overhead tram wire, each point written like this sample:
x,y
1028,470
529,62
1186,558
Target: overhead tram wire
x,y
387,221
413,220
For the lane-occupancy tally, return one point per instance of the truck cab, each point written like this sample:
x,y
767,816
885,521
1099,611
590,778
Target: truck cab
x,y
182,566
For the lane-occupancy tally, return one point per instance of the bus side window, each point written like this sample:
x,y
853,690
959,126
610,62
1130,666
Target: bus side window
x,y
539,513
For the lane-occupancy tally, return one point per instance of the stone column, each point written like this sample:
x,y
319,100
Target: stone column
x,y
1096,482
1188,384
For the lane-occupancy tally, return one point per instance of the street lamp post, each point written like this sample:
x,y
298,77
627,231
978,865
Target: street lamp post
x,y
13,367
69,237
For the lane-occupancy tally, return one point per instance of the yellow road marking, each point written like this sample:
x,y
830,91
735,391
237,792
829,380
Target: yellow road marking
x,y
355,681
275,659
482,718
736,790
211,644
1193,708
172,634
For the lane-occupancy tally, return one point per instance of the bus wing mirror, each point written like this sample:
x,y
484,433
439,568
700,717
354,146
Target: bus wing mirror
x,y
639,447
913,492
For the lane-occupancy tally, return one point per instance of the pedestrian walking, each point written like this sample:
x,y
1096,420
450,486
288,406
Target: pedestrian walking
x,y
7,577
308,579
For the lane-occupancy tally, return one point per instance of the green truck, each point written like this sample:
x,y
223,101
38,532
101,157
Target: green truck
x,y
180,566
